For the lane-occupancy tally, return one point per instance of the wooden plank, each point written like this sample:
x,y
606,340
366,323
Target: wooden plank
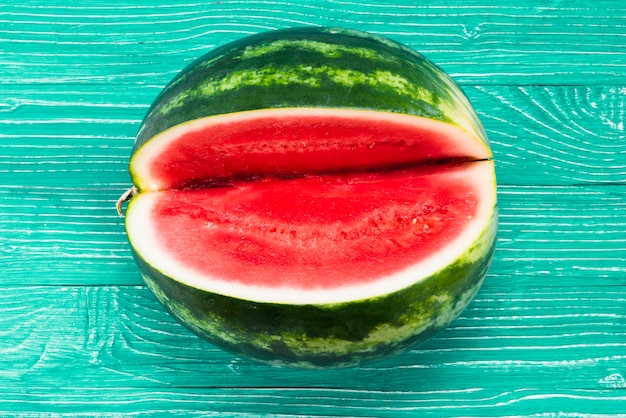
x,y
541,135
73,236
61,236
559,343
561,234
307,402
555,135
479,42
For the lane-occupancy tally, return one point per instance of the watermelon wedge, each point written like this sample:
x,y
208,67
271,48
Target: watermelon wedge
x,y
313,232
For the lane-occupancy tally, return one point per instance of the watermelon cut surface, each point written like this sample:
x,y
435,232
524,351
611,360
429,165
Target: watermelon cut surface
x,y
365,219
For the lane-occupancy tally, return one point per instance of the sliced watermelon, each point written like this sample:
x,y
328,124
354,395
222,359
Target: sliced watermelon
x,y
309,235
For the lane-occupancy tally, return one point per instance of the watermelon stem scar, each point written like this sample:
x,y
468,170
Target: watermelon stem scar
x,y
312,197
125,197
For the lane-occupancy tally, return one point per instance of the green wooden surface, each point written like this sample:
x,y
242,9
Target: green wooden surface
x,y
81,335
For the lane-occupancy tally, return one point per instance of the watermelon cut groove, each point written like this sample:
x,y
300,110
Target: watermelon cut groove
x,y
311,232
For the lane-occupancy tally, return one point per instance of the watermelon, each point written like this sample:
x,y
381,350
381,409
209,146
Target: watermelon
x,y
312,197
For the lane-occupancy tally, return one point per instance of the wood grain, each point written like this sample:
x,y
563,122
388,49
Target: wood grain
x,y
478,42
73,236
569,342
542,135
81,336
280,402
556,135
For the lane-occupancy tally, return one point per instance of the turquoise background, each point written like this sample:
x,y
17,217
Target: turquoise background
x,y
79,332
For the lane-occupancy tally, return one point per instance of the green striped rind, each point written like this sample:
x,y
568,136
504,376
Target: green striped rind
x,y
330,335
310,67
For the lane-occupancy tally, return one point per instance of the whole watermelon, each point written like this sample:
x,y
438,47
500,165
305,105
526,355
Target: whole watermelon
x,y
312,197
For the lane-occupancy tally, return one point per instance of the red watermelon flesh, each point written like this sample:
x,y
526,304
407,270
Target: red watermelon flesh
x,y
296,141
309,207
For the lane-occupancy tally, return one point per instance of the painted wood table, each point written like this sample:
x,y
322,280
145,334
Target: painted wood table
x,y
81,335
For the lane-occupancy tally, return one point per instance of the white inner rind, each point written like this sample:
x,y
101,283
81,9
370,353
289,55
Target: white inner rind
x,y
463,142
473,243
